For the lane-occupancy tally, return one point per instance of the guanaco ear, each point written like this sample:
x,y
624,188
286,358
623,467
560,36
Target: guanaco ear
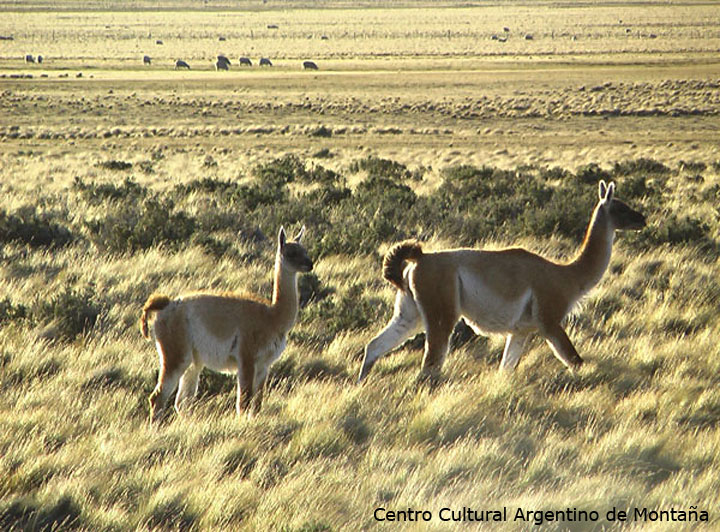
x,y
281,237
610,192
300,234
602,190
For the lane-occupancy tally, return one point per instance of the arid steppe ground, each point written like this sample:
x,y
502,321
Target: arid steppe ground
x,y
118,179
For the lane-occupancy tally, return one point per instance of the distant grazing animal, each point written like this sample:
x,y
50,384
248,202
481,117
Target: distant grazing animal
x,y
528,37
181,64
222,39
309,65
146,60
245,61
158,42
29,59
506,29
264,61
39,59
222,65
230,333
272,26
510,291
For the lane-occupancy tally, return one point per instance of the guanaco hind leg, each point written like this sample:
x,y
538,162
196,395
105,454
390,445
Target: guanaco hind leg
x,y
438,328
173,364
514,348
404,324
562,347
188,387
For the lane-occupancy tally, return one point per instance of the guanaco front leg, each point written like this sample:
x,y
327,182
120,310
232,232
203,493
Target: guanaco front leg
x,y
259,392
562,347
514,348
245,383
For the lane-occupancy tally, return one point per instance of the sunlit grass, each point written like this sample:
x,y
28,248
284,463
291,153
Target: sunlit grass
x,y
641,415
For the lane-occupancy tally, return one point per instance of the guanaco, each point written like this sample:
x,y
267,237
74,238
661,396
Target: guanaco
x,y
227,332
510,291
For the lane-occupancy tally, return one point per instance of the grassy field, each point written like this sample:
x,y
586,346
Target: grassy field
x,y
119,180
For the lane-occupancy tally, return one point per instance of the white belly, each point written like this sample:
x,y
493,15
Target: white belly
x,y
487,311
223,354
218,355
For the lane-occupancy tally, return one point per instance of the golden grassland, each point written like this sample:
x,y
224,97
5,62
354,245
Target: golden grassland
x,y
132,179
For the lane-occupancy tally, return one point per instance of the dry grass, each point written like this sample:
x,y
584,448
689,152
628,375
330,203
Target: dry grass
x,y
636,428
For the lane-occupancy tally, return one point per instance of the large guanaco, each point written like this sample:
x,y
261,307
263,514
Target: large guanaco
x,y
229,333
510,291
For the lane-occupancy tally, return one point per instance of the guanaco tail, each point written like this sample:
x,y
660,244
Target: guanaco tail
x,y
510,291
229,333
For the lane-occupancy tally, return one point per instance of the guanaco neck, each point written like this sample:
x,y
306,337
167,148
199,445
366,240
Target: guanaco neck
x,y
285,294
594,257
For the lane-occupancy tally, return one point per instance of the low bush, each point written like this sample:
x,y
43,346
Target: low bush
x,y
27,226
348,311
10,311
133,227
115,165
71,312
378,167
591,174
641,165
96,193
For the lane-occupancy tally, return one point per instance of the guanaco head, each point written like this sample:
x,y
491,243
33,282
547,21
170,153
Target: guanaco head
x,y
621,215
293,255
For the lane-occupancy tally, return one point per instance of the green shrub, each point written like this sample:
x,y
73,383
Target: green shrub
x,y
310,287
349,311
281,170
95,193
206,185
565,212
10,311
26,226
260,194
134,227
114,165
591,174
641,165
320,174
685,230
636,187
377,167
692,166
473,203
72,312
